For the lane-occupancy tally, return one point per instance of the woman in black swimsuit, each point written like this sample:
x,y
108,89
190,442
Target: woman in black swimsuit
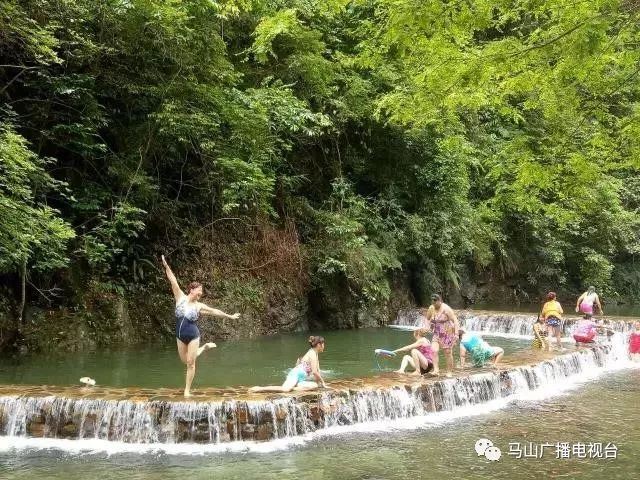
x,y
188,308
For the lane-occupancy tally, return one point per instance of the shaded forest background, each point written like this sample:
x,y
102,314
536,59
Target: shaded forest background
x,y
316,164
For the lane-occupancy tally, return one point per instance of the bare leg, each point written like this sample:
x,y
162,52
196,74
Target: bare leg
x,y
557,333
448,355
419,360
435,346
497,357
287,386
306,385
206,347
406,360
182,351
192,354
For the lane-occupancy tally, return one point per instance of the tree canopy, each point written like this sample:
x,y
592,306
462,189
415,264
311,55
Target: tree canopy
x,y
442,139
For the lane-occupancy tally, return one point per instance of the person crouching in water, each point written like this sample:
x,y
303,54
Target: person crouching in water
x,y
309,364
420,354
540,340
480,351
634,343
585,332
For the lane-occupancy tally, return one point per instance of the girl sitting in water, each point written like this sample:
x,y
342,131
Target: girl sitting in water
x,y
540,340
481,352
420,354
634,343
309,364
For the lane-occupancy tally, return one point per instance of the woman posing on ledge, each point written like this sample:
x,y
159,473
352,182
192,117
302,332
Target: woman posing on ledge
x,y
297,377
188,308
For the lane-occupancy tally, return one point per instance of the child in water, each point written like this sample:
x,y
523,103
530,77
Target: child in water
x,y
634,343
540,340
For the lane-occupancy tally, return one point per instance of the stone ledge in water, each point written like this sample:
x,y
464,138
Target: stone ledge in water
x,y
216,416
212,394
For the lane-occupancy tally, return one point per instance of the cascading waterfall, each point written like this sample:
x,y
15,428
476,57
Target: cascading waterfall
x,y
500,324
166,422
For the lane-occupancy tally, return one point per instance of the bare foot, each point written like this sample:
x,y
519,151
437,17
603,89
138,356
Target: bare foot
x,y
205,347
448,375
398,371
187,394
416,373
435,374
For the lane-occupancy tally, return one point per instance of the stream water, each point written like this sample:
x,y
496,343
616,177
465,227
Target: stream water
x,y
580,402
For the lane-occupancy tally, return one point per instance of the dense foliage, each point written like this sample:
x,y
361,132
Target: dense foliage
x,y
494,139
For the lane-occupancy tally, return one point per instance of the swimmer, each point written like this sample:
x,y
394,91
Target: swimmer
x,y
481,352
188,308
420,354
309,364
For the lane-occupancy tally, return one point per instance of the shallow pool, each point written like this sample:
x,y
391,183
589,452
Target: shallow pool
x,y
262,360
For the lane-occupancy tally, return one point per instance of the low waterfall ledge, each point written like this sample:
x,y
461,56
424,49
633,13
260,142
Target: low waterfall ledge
x,y
217,415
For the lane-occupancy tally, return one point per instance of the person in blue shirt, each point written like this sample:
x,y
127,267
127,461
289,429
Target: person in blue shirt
x,y
480,351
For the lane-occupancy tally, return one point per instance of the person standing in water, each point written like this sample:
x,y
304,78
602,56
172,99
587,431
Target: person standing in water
x,y
552,315
445,331
296,379
188,309
420,354
587,301
480,351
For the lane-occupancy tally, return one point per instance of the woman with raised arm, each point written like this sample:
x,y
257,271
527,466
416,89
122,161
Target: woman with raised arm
x,y
297,378
188,308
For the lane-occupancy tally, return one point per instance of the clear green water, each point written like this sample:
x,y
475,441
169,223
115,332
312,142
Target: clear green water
x,y
263,360
601,411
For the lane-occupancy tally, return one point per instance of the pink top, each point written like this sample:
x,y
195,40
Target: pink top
x,y
425,349
585,328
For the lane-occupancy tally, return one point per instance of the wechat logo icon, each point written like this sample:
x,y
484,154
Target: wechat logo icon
x,y
484,447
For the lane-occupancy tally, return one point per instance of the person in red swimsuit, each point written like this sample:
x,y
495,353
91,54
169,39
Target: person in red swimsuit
x,y
634,343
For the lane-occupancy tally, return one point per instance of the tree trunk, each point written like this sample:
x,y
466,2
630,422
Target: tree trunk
x,y
23,295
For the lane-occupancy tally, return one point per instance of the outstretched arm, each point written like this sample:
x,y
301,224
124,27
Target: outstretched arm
x,y
463,355
207,310
315,371
599,305
580,298
456,323
175,288
408,347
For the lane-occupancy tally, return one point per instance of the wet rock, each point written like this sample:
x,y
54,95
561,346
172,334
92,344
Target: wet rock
x,y
264,432
242,414
36,429
281,413
70,430
248,431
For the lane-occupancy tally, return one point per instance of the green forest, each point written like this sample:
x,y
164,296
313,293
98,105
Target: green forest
x,y
330,160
